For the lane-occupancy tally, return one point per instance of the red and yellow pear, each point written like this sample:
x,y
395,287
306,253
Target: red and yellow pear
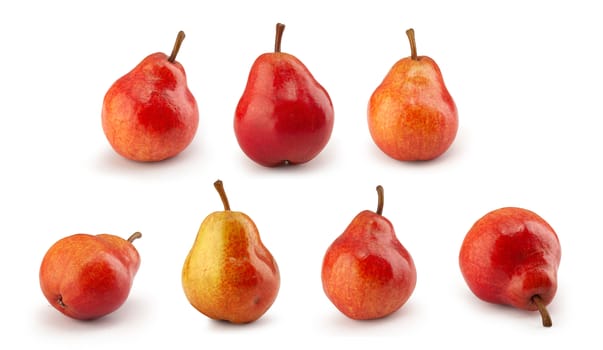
x,y
228,273
411,114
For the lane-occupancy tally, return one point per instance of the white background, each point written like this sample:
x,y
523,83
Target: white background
x,y
527,83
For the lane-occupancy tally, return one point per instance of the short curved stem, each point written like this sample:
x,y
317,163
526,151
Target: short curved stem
x,y
220,188
544,313
380,200
134,236
176,48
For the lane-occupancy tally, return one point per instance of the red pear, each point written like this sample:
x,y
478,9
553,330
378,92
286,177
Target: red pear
x,y
149,114
510,256
284,115
88,276
366,272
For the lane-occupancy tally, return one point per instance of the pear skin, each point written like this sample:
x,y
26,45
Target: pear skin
x,y
411,114
229,274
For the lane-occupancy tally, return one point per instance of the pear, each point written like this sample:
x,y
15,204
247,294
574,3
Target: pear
x,y
411,114
149,114
87,276
229,274
510,256
366,272
284,116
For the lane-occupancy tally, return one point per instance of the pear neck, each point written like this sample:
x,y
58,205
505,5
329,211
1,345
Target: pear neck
x,y
220,188
380,200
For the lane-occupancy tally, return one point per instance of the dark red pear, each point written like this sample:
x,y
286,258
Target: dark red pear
x,y
285,116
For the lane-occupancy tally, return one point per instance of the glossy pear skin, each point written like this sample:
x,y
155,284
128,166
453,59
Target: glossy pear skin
x,y
284,115
229,274
411,114
149,114
509,256
88,276
366,272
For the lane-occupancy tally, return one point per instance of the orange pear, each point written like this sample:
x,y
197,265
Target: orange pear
x,y
411,115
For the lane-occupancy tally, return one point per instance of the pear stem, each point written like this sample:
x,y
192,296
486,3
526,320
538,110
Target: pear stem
x,y
380,200
220,188
410,33
176,48
134,236
280,28
544,313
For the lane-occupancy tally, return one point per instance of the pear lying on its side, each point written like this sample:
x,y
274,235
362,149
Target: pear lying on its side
x,y
229,274
88,276
510,256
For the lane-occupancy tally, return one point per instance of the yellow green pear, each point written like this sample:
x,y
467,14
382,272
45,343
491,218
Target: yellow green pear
x,y
229,274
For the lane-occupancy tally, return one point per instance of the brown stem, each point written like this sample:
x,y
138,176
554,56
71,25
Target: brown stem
x,y
410,33
280,28
134,236
220,188
176,48
380,200
544,313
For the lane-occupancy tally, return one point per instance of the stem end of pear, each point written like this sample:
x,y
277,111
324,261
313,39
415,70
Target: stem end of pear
x,y
134,236
544,313
280,28
177,44
219,185
380,200
410,33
